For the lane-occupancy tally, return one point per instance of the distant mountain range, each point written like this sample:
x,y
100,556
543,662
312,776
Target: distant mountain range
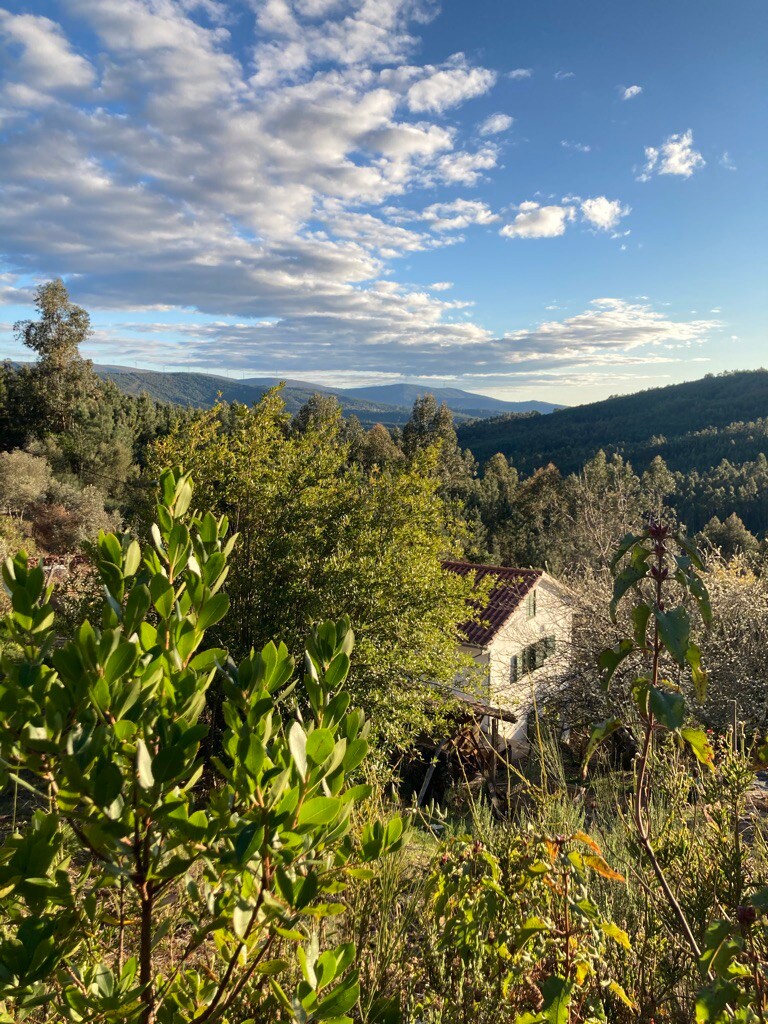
x,y
389,404
691,425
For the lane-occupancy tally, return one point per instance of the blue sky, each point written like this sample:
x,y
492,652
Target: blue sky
x,y
560,200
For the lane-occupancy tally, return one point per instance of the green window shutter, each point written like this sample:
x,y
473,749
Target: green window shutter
x,y
513,668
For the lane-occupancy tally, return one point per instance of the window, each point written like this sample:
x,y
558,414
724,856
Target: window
x,y
513,668
530,604
532,657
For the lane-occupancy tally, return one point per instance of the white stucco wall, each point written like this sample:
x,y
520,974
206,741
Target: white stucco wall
x,y
553,618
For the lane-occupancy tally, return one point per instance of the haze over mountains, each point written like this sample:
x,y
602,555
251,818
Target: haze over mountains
x,y
389,404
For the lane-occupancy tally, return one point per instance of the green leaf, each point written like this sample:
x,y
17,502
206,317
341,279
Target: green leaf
x,y
272,966
337,671
168,763
617,934
162,595
320,745
640,615
610,659
600,733
297,744
120,662
627,541
144,766
667,706
697,740
107,783
711,1002
698,674
320,810
531,927
626,579
557,999
213,611
674,631
341,999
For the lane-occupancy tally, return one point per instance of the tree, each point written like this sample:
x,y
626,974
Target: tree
x,y
65,380
319,535
731,537
139,897
605,503
430,426
24,479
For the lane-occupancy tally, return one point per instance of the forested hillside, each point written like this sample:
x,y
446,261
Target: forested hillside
x,y
691,426
389,404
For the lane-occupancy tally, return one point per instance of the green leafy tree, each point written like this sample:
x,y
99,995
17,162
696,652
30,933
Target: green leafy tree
x,y
138,896
24,479
64,381
320,536
730,537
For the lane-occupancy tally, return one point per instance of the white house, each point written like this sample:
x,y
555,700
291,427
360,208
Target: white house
x,y
520,639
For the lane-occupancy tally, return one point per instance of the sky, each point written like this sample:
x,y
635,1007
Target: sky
x,y
550,200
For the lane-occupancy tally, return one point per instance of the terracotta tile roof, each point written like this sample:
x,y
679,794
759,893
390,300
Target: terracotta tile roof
x,y
506,595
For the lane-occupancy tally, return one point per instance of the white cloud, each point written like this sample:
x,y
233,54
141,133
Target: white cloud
x,y
631,91
612,334
447,87
675,156
459,214
608,333
580,147
534,221
603,213
496,123
441,286
467,168
519,73
40,60
727,162
560,75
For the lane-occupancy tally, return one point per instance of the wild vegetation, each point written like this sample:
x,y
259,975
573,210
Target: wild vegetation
x,y
202,735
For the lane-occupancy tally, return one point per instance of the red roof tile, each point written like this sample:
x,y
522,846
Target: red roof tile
x,y
505,596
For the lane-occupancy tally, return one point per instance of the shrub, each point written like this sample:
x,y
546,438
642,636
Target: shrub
x,y
134,894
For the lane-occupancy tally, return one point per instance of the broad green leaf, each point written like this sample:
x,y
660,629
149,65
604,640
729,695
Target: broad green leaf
x,y
697,740
297,744
107,783
144,766
610,659
698,674
120,662
600,733
213,611
320,810
320,744
667,706
626,579
617,934
674,631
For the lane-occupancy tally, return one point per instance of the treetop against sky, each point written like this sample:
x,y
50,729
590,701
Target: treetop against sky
x,y
542,200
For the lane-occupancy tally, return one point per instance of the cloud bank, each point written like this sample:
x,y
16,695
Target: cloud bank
x,y
265,181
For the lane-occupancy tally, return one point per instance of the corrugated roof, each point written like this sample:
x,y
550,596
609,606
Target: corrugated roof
x,y
505,596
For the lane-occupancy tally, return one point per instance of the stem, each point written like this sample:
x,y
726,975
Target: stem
x,y
642,822
145,953
121,932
